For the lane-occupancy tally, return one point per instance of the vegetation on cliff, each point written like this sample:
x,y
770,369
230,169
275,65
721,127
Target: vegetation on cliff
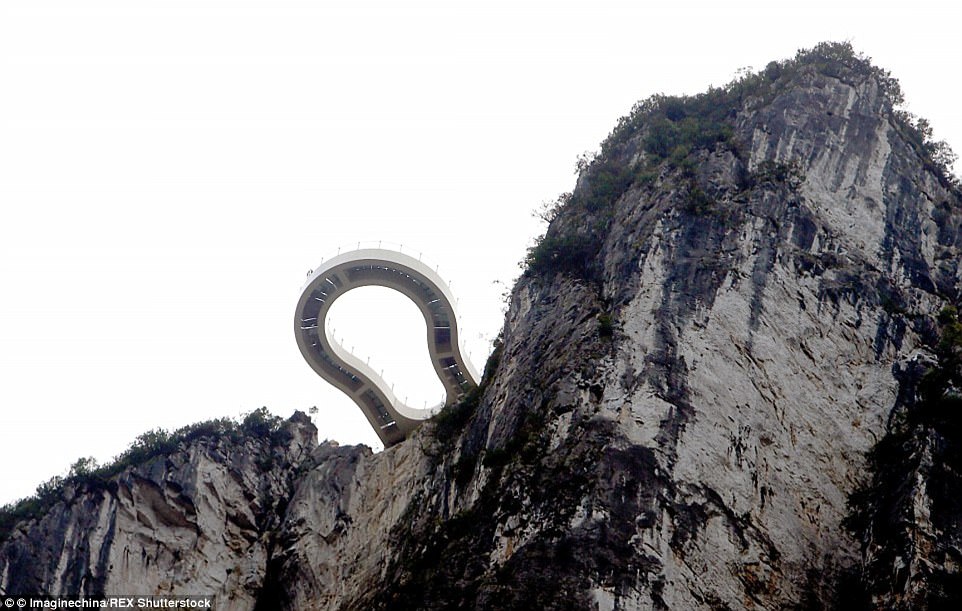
x,y
601,460
671,134
86,474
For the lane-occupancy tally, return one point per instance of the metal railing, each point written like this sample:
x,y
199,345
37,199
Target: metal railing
x,y
414,253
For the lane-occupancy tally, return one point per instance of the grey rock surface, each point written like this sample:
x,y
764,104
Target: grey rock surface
x,y
196,521
677,415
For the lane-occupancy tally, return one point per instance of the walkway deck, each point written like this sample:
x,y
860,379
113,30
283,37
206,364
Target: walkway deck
x,y
392,419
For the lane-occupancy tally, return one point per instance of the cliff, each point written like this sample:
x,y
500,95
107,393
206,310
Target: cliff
x,y
197,518
725,381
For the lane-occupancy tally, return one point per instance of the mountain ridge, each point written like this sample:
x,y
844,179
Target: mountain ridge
x,y
734,331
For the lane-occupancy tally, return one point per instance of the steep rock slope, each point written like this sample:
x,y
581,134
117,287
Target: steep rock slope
x,y
196,520
714,390
706,344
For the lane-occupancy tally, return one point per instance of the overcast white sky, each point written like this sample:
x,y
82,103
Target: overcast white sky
x,y
170,170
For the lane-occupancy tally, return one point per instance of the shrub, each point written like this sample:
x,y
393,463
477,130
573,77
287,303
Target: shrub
x,y
451,420
570,254
773,172
260,423
606,325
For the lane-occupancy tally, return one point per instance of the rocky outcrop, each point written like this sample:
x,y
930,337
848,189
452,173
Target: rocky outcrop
x,y
693,405
703,351
907,517
196,521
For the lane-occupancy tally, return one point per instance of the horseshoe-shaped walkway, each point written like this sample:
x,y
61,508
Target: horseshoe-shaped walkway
x,y
392,419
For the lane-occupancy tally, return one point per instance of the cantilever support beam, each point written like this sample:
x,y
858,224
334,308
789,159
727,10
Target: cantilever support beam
x,y
391,419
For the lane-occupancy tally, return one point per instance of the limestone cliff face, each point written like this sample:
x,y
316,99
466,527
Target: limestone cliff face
x,y
196,521
707,343
733,308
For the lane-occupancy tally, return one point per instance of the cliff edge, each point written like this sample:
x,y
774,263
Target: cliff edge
x,y
726,380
